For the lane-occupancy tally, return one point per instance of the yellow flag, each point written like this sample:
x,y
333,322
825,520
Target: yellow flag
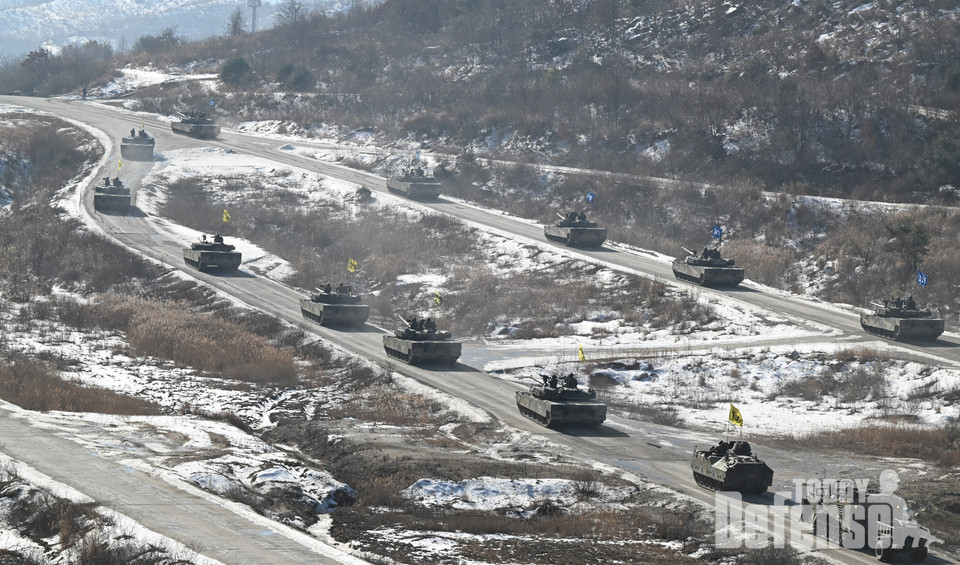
x,y
226,216
580,353
735,416
119,163
351,265
437,299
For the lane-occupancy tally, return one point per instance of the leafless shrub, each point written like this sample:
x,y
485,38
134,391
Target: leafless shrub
x,y
587,484
861,354
383,402
38,514
99,549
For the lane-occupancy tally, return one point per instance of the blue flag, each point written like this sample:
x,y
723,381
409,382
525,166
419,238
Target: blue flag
x,y
213,102
921,278
418,154
590,197
718,232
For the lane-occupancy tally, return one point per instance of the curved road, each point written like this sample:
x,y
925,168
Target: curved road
x,y
661,454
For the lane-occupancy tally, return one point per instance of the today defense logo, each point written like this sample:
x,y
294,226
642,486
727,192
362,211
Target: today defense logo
x,y
830,513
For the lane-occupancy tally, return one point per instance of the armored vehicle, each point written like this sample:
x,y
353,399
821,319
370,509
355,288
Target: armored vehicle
x,y
707,268
205,254
575,230
111,196
731,465
844,515
414,184
338,307
566,405
420,342
902,320
196,124
138,147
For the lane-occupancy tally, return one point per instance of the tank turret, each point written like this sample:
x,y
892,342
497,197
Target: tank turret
x,y
902,320
731,465
707,268
561,402
419,341
574,230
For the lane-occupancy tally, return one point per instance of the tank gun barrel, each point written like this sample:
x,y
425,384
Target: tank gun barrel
x,y
406,323
876,304
688,251
559,215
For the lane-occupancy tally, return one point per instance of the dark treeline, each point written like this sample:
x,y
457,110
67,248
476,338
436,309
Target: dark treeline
x,y
819,97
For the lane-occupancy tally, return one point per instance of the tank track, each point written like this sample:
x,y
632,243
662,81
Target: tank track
x,y
193,264
312,317
406,358
685,277
881,332
563,240
706,482
534,416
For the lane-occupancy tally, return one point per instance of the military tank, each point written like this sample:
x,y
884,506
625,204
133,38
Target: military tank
x,y
707,268
196,124
415,185
731,465
338,307
205,254
138,147
902,320
419,342
574,230
111,196
566,405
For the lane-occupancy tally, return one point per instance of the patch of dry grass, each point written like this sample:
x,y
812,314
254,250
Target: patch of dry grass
x,y
34,385
213,345
940,446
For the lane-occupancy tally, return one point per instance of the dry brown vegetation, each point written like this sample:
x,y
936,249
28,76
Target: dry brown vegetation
x,y
940,446
220,347
34,385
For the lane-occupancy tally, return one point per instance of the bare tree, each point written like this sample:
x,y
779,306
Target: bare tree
x,y
291,13
236,25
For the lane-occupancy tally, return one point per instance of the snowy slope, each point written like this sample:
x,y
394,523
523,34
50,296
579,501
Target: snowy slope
x,y
27,24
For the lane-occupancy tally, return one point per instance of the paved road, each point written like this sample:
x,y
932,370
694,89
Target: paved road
x,y
659,453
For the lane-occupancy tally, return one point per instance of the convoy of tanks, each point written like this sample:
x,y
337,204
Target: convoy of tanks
x,y
556,402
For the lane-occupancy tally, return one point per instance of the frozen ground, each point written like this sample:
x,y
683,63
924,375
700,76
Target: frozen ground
x,y
778,390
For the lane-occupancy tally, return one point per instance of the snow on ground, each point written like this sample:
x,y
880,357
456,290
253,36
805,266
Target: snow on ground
x,y
119,527
778,390
132,79
491,493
